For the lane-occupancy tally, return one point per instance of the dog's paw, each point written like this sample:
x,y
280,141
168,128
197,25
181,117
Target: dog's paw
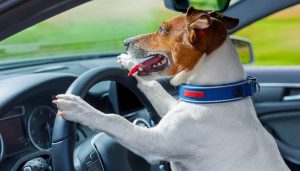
x,y
126,61
74,108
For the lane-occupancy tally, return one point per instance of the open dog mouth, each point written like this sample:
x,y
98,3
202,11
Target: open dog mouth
x,y
153,63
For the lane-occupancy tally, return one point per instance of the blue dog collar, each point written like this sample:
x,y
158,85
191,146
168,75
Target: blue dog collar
x,y
204,94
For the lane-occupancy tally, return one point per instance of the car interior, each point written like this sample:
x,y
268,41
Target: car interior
x,y
33,138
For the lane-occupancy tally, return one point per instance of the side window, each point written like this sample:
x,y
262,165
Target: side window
x,y
276,38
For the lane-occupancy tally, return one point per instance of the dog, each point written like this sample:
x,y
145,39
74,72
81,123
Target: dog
x,y
194,49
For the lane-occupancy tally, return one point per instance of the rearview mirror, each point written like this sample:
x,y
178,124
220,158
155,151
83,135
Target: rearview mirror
x,y
207,5
244,49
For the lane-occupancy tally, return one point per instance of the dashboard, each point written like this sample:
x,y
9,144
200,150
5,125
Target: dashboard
x,y
26,127
27,114
13,140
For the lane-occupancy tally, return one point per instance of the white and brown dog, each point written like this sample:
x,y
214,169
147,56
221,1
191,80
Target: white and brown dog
x,y
194,49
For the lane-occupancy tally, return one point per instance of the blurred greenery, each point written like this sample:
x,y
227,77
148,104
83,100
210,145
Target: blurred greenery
x,y
208,4
46,39
276,39
244,54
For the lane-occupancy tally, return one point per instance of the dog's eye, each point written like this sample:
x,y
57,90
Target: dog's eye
x,y
161,29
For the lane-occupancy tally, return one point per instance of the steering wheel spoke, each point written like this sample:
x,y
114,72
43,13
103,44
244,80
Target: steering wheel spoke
x,y
86,156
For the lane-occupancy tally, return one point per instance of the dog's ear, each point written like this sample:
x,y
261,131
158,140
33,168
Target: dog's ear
x,y
190,10
203,22
197,19
197,24
206,33
229,22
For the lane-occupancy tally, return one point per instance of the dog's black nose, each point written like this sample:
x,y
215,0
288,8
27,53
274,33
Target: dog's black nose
x,y
127,42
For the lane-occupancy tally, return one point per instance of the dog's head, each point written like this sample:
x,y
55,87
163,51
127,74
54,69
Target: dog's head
x,y
179,42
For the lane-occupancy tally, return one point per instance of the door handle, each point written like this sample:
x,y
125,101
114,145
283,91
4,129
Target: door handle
x,y
291,97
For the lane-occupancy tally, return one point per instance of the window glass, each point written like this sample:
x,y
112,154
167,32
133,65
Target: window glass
x,y
276,39
98,26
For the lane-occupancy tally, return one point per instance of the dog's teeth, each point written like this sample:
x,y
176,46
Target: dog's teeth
x,y
164,61
140,69
159,64
154,65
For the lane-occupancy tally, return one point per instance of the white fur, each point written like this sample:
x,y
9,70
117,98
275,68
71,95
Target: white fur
x,y
209,137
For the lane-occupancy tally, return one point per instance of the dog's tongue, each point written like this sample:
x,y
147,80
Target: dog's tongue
x,y
145,65
134,70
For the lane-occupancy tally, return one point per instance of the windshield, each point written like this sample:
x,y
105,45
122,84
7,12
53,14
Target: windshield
x,y
97,27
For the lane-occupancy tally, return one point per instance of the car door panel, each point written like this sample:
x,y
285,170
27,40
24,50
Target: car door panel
x,y
278,108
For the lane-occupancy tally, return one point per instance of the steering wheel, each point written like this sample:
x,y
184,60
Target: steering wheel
x,y
100,152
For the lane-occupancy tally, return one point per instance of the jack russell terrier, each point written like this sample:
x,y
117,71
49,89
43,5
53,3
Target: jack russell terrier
x,y
214,125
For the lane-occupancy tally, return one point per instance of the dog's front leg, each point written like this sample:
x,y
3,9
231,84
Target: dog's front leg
x,y
160,99
152,143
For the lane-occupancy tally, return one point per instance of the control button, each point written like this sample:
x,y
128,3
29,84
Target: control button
x,y
95,166
93,155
